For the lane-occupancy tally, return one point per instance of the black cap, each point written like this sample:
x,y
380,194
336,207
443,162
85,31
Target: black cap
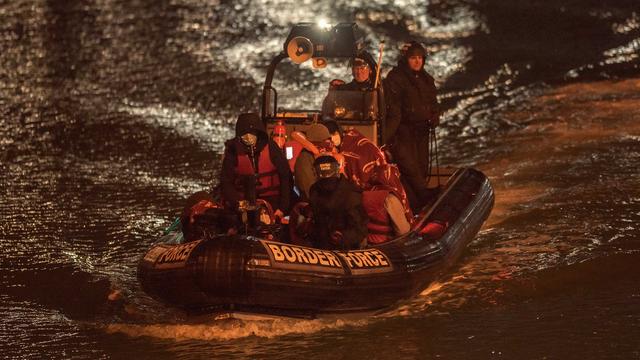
x,y
326,166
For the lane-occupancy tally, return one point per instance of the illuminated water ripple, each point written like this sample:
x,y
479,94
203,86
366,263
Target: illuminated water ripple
x,y
112,112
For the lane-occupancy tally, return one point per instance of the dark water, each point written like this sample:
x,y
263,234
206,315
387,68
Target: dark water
x,y
112,112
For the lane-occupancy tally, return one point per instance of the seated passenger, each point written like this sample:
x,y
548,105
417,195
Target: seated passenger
x,y
361,156
252,154
388,176
386,213
339,219
304,172
364,161
388,216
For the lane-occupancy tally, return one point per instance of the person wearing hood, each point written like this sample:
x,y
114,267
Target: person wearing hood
x,y
412,112
252,154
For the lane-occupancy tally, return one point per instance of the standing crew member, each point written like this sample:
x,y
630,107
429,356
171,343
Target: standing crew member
x,y
412,112
252,154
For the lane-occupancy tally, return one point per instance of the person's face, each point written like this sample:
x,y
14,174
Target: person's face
x,y
361,73
415,62
249,139
336,139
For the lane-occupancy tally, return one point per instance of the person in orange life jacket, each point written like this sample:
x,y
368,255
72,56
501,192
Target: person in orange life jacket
x,y
304,171
388,217
339,219
412,112
252,153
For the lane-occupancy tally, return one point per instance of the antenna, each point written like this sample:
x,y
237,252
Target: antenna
x,y
379,65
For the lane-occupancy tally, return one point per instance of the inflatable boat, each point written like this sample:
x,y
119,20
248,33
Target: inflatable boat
x,y
252,274
259,272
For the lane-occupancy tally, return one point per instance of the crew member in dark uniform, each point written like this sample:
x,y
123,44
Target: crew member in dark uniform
x,y
412,112
251,154
339,218
362,79
363,71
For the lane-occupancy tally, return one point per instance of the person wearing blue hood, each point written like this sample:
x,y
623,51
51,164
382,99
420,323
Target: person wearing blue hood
x,y
412,113
252,155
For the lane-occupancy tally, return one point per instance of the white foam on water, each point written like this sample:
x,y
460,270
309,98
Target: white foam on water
x,y
234,328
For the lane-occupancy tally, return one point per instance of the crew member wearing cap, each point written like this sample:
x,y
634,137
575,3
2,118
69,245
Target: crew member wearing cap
x,y
340,221
304,172
362,79
251,155
363,71
412,112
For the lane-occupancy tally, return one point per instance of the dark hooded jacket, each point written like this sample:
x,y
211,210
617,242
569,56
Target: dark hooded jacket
x,y
411,101
235,147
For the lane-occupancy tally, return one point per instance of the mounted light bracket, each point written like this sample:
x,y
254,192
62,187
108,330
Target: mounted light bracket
x,y
344,40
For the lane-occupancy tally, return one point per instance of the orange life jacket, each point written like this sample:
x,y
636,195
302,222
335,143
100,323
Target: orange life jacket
x,y
268,181
379,226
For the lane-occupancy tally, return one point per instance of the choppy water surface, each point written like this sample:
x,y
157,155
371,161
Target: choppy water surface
x,y
112,112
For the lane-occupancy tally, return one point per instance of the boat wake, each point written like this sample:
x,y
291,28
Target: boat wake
x,y
235,326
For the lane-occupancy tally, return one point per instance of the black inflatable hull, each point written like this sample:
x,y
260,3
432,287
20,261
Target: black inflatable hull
x,y
243,273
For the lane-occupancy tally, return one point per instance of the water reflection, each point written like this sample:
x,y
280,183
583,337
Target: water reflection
x,y
112,112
